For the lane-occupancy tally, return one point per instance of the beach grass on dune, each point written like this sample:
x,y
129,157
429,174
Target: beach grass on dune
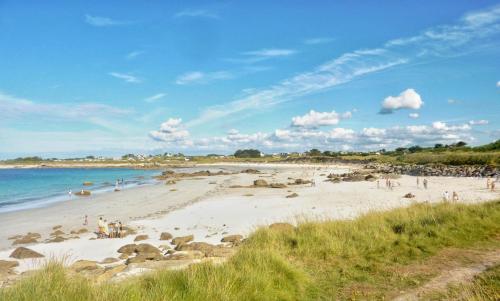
x,y
362,258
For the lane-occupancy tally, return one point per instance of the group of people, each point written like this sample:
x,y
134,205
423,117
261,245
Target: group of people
x,y
111,230
388,183
454,197
424,182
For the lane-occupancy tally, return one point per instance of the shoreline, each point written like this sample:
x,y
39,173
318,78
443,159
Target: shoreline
x,y
209,208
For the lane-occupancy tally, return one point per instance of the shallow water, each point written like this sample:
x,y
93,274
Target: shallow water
x,y
37,187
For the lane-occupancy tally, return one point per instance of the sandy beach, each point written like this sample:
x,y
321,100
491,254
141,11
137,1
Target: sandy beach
x,y
210,207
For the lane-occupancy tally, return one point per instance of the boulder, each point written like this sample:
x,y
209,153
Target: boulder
x,y
277,185
84,265
24,240
370,177
83,193
353,178
57,233
183,255
170,182
293,195
109,260
146,248
221,252
57,227
260,183
164,247
250,171
110,273
124,256
80,231
87,183
182,239
22,253
165,236
409,195
15,237
236,238
127,249
143,257
282,227
141,237
204,247
302,182
56,239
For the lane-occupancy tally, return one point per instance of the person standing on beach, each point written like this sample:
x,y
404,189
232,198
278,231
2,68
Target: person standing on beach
x,y
86,220
425,183
418,182
70,193
488,183
492,186
378,184
455,196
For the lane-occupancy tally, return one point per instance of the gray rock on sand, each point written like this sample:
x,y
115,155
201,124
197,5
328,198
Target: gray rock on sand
x,y
183,255
182,239
277,185
293,195
127,249
146,248
109,260
232,238
6,265
25,240
57,227
141,237
84,265
165,236
23,253
57,233
260,183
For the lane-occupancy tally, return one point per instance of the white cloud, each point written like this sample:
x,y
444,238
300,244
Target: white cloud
x,y
315,119
315,41
198,77
408,99
498,83
196,13
437,42
413,115
171,131
101,21
272,52
155,97
479,122
126,77
452,101
132,55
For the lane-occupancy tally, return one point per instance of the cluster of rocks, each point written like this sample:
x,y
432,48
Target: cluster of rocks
x,y
356,176
261,184
169,174
435,170
250,171
300,182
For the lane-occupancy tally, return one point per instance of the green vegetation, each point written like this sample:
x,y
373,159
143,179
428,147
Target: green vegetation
x,y
247,153
367,258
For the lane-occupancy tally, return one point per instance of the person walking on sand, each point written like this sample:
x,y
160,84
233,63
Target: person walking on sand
x,y
378,184
455,196
492,186
488,183
418,182
86,220
100,226
425,183
446,196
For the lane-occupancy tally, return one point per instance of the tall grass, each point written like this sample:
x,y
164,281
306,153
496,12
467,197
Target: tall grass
x,y
316,261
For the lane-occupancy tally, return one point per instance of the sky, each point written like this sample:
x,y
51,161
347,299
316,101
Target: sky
x,y
114,77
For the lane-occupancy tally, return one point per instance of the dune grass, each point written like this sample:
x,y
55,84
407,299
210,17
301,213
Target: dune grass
x,y
343,260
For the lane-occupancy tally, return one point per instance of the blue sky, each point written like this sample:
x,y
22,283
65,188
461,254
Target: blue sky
x,y
111,77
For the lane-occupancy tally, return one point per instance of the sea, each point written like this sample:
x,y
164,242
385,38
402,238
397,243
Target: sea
x,y
25,188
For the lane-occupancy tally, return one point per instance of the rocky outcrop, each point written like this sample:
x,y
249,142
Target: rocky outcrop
x,y
277,185
182,239
250,171
141,237
23,253
300,182
83,193
436,170
84,265
236,238
292,195
7,265
260,183
127,249
409,195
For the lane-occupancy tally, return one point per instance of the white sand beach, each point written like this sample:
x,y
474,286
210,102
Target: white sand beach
x,y
209,208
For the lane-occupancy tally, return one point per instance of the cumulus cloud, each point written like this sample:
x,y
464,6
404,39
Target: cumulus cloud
x,y
413,115
126,77
479,122
408,99
315,119
171,131
101,21
155,97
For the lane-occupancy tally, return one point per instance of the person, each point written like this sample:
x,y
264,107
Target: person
x,y
418,182
121,231
70,193
111,230
492,186
85,221
425,183
446,196
488,183
100,226
378,184
455,196
106,228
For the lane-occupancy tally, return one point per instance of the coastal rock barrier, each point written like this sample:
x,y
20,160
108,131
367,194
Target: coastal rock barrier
x,y
435,170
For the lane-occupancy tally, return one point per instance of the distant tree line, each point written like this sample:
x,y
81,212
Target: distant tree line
x,y
247,153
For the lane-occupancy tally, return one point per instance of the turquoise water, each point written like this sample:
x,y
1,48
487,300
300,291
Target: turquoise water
x,y
37,187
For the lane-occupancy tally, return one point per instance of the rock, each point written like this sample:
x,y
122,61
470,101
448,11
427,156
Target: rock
x,y
87,183
6,265
22,253
128,231
108,274
282,227
170,182
127,249
80,231
57,233
370,177
260,183
141,237
24,240
56,239
302,182
124,256
277,185
109,260
143,257
165,236
164,247
182,239
57,227
293,195
146,248
236,238
84,265
250,171
83,193
409,195
353,178
33,235
15,237
204,247
183,255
